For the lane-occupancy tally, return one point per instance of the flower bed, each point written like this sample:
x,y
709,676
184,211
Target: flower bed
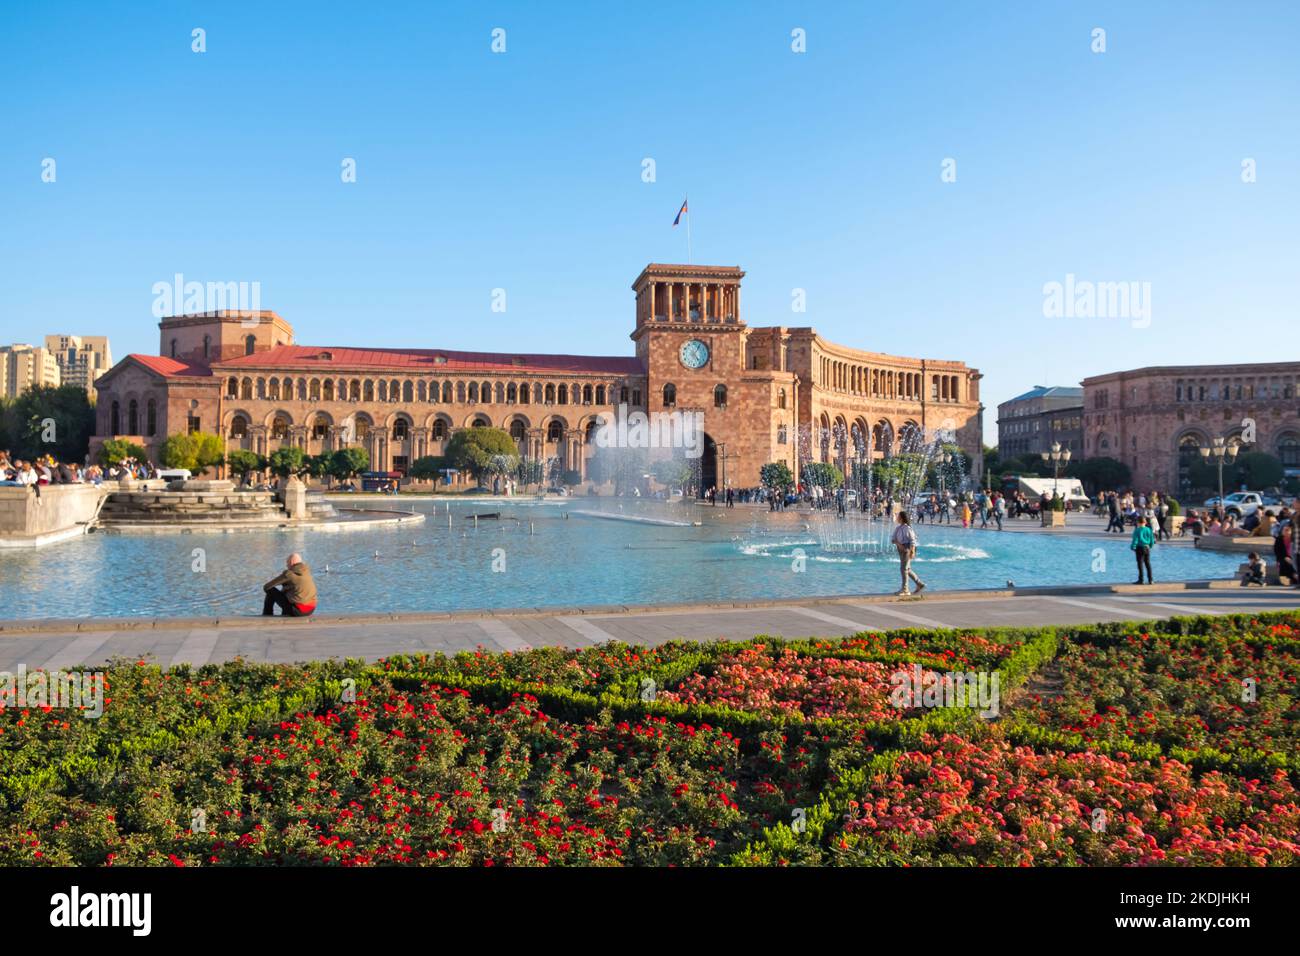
x,y
962,802
1232,691
790,683
685,754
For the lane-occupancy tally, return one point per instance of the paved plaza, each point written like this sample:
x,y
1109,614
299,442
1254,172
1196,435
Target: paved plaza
x,y
168,642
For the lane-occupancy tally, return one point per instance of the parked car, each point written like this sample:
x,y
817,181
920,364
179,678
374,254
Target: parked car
x,y
174,474
1239,503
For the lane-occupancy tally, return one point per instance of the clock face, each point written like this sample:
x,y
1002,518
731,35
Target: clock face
x,y
694,354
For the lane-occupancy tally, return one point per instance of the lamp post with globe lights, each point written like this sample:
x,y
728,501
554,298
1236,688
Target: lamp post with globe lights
x,y
1221,452
1057,456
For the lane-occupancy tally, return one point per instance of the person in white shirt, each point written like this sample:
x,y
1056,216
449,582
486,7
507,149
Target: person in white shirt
x,y
904,539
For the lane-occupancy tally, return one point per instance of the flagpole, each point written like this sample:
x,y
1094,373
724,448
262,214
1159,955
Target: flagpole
x,y
688,229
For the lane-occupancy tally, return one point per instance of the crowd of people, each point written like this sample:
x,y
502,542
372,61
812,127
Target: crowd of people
x,y
45,470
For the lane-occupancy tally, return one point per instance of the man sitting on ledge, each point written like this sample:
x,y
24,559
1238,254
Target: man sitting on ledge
x,y
294,590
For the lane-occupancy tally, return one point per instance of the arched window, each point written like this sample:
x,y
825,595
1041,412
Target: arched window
x,y
239,427
232,388
207,346
600,394
512,393
115,420
670,395
481,422
173,348
151,418
408,391
780,399
280,427
1288,450
354,390
273,390
460,393
439,430
555,431
362,429
473,392
586,395
246,388
250,344
562,394
523,394
313,390
720,396
1189,452
446,392
501,393
133,417
368,390
329,390
401,430
517,430
550,394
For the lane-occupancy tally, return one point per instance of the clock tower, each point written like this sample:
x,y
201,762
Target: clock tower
x,y
692,342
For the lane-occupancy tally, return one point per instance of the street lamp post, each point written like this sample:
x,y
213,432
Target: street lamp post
x,y
1221,452
1056,456
944,460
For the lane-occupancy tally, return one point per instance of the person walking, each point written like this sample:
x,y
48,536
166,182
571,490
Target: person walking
x,y
904,539
1141,544
999,509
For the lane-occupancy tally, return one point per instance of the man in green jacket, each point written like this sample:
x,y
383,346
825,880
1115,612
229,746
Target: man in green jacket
x,y
1141,544
294,590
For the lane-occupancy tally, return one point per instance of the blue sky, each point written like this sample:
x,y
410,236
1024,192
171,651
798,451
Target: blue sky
x,y
818,171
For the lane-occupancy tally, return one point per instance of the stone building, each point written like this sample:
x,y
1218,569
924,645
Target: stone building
x,y
766,394
1031,422
1155,420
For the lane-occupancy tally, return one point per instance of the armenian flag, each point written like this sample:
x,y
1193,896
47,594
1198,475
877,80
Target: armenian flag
x,y
680,213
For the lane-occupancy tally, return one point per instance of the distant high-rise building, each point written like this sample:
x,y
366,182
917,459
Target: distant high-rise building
x,y
26,366
81,358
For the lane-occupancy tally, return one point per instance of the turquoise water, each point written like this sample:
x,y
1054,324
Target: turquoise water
x,y
566,560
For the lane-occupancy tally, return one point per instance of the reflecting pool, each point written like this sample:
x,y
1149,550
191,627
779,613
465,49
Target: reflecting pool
x,y
546,554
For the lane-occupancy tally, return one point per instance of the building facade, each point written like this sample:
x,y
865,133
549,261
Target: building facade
x,y
1156,420
26,366
1028,424
765,394
82,359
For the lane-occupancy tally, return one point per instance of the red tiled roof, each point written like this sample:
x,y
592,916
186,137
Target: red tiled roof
x,y
324,356
169,366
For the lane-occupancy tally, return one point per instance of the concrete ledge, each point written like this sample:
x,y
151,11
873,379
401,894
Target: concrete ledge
x,y
1217,542
39,625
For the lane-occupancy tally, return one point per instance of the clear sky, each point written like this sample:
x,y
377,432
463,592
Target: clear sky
x,y
818,171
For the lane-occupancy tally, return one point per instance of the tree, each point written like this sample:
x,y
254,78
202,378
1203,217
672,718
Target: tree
x,y
209,451
1101,474
318,466
179,451
428,468
473,450
673,472
777,477
287,461
822,474
53,420
571,477
349,462
243,462
1257,469
117,450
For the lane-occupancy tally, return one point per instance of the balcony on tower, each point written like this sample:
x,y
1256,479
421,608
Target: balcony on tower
x,y
688,295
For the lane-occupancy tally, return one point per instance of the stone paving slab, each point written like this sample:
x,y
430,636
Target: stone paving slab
x,y
63,645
